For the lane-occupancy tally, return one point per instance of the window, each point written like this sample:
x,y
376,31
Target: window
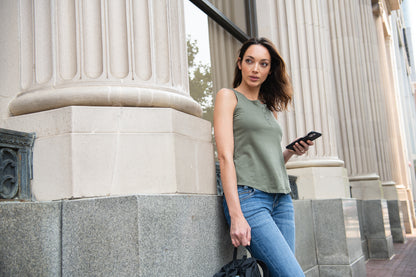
x,y
215,30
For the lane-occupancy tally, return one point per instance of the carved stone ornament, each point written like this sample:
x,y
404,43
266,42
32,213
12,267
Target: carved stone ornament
x,y
15,164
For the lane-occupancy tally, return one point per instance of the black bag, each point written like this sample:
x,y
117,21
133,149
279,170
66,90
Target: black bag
x,y
245,267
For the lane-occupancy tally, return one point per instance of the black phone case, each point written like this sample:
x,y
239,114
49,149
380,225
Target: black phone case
x,y
310,136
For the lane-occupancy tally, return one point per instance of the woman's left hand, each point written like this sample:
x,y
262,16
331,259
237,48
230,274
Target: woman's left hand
x,y
302,147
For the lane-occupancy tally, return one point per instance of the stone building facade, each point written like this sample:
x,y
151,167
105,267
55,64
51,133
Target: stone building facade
x,y
104,85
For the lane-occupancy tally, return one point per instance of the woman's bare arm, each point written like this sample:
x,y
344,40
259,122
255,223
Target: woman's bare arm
x,y
225,104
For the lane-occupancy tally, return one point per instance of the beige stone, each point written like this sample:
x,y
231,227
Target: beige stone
x,y
366,189
390,191
321,182
97,151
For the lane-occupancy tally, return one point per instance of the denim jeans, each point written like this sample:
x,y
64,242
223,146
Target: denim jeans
x,y
271,218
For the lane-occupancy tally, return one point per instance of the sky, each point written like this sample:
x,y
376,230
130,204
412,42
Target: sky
x,y
409,14
196,24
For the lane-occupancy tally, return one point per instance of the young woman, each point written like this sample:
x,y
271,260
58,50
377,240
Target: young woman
x,y
257,203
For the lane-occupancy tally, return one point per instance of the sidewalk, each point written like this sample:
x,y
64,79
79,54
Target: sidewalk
x,y
403,263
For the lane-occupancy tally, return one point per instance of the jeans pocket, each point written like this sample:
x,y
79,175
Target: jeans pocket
x,y
245,192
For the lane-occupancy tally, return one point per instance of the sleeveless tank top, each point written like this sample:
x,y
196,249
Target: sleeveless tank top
x,y
258,155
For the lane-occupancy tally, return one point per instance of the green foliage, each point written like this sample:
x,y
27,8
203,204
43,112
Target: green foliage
x,y
200,80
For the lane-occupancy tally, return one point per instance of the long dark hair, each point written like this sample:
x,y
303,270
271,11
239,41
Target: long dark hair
x,y
276,91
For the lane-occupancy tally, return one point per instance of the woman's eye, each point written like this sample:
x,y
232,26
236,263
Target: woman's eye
x,y
248,61
264,64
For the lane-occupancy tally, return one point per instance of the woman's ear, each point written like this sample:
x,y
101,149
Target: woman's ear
x,y
239,63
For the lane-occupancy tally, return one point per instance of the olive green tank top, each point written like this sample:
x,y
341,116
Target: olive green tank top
x,y
258,155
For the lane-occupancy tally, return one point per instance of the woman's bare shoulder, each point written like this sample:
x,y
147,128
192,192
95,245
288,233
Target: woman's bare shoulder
x,y
225,92
226,97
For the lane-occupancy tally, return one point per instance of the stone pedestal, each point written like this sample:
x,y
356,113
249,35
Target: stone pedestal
x,y
396,221
407,216
142,235
338,240
390,191
320,182
377,229
305,238
30,242
400,193
102,151
362,231
160,235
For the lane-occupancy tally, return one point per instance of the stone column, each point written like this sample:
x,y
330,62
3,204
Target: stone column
x,y
351,71
102,53
400,176
104,85
300,30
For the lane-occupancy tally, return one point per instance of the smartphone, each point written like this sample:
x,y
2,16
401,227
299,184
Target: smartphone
x,y
310,136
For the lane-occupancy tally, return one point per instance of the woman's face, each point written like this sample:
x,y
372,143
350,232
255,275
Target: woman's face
x,y
255,65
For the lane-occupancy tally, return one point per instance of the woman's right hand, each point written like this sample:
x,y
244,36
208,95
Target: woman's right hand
x,y
240,232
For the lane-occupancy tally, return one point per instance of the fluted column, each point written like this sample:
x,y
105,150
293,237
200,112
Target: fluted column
x,y
382,22
102,53
357,147
398,164
380,135
300,30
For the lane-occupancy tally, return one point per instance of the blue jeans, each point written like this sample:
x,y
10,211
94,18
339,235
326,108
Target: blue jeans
x,y
271,218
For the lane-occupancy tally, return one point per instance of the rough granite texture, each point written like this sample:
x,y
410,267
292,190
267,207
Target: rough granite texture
x,y
377,229
305,236
337,231
30,242
100,236
396,221
160,235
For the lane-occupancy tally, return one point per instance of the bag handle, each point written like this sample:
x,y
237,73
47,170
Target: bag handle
x,y
262,264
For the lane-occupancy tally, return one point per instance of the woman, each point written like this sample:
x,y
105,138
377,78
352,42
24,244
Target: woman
x,y
257,203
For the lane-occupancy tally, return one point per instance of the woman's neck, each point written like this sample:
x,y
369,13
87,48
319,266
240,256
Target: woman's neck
x,y
249,92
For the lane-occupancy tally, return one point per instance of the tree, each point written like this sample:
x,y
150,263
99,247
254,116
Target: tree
x,y
200,80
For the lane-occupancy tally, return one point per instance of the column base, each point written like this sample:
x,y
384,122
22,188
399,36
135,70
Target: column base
x,y
376,226
325,180
411,205
366,187
392,191
337,234
396,221
140,235
407,216
104,151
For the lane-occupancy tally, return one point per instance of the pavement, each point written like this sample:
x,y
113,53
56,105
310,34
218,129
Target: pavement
x,y
402,264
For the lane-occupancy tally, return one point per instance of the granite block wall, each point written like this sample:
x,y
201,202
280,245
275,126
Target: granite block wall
x,y
160,235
